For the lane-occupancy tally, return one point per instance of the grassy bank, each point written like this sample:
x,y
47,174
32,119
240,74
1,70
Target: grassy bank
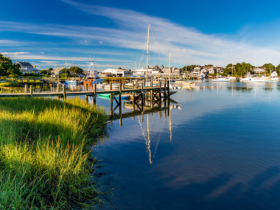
x,y
44,153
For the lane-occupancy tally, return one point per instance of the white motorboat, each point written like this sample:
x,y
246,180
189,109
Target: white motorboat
x,y
114,86
254,79
221,79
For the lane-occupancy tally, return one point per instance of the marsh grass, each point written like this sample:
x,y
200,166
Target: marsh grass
x,y
44,153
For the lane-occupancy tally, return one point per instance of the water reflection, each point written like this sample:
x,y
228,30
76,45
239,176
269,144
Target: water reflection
x,y
147,109
216,148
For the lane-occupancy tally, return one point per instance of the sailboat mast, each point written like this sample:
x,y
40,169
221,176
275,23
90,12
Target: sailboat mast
x,y
148,39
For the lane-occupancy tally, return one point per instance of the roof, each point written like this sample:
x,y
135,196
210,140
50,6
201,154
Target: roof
x,y
25,64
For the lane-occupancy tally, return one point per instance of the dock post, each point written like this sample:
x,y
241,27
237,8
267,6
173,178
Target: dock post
x,y
120,103
165,88
57,88
64,92
133,102
164,108
26,88
151,83
31,91
111,104
136,83
152,98
168,89
86,88
110,86
159,91
94,92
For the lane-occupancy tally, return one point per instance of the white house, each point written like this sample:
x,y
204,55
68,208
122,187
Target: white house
x,y
26,67
196,70
118,72
259,70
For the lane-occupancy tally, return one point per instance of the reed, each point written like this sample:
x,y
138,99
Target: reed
x,y
44,153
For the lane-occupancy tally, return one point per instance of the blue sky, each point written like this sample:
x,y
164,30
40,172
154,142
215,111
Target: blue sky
x,y
55,32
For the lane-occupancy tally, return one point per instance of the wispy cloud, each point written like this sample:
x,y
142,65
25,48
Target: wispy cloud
x,y
27,55
187,45
10,43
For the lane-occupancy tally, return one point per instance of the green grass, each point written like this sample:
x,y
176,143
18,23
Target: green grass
x,y
45,159
9,84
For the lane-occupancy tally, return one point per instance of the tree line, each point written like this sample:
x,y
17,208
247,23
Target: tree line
x,y
239,68
8,68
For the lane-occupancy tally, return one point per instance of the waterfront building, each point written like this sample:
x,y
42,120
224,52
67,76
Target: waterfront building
x,y
218,70
259,70
196,71
117,72
26,67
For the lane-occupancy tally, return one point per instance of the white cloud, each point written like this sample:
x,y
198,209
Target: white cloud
x,y
187,45
10,43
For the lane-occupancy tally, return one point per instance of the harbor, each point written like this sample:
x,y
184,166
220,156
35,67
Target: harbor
x,y
113,105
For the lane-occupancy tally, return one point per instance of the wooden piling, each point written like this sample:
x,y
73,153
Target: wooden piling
x,y
26,88
152,98
168,88
94,92
86,87
159,91
111,103
31,91
57,88
64,92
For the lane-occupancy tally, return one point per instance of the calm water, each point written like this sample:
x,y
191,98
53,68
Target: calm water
x,y
219,148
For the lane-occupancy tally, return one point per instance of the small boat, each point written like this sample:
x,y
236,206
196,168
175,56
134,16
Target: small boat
x,y
71,82
107,95
99,86
114,86
173,86
189,84
221,79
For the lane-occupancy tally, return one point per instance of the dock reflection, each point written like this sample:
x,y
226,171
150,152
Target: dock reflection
x,y
144,112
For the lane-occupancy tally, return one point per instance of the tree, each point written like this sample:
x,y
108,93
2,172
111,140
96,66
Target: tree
x,y
44,72
8,68
76,70
269,67
188,68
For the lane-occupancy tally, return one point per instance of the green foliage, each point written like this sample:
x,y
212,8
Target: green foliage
x,y
238,69
269,67
44,153
8,68
189,68
75,70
